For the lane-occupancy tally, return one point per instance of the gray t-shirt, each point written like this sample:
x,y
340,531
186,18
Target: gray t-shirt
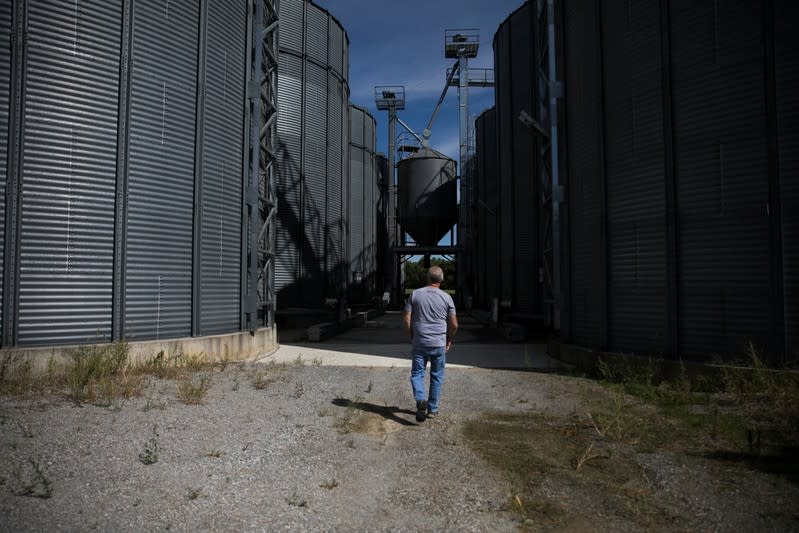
x,y
429,307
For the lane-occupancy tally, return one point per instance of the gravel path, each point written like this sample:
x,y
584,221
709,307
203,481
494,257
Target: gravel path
x,y
306,447
293,455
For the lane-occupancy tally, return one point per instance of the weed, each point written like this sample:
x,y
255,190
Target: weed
x,y
213,453
317,361
151,403
32,481
299,390
149,455
329,485
193,390
235,383
15,374
296,500
298,361
259,380
344,424
586,456
193,493
101,373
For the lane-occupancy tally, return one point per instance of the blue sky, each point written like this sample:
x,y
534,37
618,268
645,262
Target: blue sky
x,y
402,43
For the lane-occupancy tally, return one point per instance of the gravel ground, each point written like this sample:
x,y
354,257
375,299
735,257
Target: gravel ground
x,y
301,454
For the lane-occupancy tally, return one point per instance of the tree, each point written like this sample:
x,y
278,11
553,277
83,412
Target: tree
x,y
416,273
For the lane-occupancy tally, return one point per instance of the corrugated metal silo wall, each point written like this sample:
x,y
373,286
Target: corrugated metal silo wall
x,y
357,154
635,204
371,194
363,202
5,120
94,189
69,154
583,94
313,164
221,166
161,169
514,45
384,256
486,238
786,51
672,156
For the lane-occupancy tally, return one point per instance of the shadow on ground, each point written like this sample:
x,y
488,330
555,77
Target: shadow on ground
x,y
389,413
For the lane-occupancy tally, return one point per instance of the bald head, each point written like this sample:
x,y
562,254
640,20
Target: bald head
x,y
435,275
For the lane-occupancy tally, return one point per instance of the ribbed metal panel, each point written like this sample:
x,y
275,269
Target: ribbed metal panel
x,y
635,167
336,49
503,91
291,15
221,180
525,182
316,33
312,138
345,61
368,132
362,203
337,118
5,108
582,83
370,206
315,192
357,207
488,208
721,167
161,166
68,169
786,50
289,178
356,126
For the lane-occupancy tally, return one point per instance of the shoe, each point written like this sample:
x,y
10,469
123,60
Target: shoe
x,y
421,410
432,414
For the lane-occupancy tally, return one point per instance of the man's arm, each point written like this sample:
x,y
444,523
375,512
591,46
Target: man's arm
x,y
452,328
406,321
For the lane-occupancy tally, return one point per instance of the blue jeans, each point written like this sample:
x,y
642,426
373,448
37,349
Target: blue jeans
x,y
437,358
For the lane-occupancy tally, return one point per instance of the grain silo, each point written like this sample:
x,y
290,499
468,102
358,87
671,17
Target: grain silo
x,y
487,210
364,196
312,267
124,155
682,169
427,196
519,187
384,255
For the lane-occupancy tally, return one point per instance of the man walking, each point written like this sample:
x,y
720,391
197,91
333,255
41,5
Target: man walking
x,y
430,320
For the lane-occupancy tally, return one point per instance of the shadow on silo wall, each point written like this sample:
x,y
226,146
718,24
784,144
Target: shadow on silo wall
x,y
682,178
298,227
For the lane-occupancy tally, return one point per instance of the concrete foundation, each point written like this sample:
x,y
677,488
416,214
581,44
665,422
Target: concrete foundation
x,y
238,346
